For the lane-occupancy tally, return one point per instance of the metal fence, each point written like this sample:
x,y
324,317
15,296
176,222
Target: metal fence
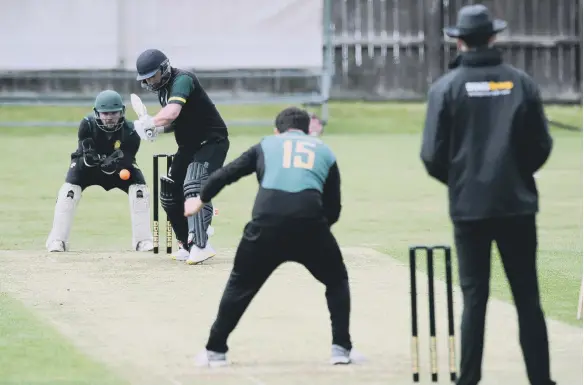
x,y
393,49
379,50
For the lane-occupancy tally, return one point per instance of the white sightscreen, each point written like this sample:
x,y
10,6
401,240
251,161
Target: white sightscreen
x,y
202,34
58,34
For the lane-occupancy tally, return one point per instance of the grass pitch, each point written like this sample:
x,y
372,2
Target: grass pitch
x,y
388,204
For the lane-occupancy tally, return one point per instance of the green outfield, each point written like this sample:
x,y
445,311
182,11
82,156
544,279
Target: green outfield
x,y
388,201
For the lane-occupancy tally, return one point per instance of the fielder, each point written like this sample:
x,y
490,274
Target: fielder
x,y
316,127
202,139
299,199
107,144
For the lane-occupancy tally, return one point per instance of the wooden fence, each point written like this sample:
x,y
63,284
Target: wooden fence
x,y
393,49
382,49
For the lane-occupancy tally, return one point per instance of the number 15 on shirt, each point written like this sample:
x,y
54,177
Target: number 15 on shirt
x,y
298,154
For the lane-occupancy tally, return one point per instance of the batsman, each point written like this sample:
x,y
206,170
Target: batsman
x,y
202,139
107,144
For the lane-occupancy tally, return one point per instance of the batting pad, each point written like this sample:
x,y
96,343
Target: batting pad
x,y
199,223
67,199
139,197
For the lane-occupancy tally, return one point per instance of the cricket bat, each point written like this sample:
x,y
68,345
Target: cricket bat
x,y
137,105
140,109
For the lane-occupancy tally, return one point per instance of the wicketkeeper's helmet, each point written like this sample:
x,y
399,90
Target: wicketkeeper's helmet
x,y
109,101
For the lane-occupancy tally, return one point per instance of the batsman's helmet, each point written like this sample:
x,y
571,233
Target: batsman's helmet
x,y
109,101
148,64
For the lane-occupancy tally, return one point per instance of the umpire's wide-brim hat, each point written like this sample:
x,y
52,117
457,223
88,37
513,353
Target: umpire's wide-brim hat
x,y
475,20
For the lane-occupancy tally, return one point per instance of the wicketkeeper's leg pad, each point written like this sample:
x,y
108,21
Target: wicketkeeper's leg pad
x,y
67,199
139,196
199,223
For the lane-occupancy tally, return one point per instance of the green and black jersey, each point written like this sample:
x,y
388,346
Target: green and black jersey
x,y
199,119
105,143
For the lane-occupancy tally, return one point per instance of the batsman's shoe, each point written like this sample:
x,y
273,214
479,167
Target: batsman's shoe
x,y
145,246
211,359
57,247
342,356
198,255
181,254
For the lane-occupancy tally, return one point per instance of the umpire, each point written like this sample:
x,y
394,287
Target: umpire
x,y
485,136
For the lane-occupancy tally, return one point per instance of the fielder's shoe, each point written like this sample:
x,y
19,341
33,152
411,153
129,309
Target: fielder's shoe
x,y
342,356
198,255
181,254
211,359
145,246
57,247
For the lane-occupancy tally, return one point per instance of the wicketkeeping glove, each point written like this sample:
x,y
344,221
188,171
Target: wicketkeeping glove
x,y
110,164
90,156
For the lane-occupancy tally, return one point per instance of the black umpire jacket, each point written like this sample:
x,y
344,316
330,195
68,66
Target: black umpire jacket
x,y
485,136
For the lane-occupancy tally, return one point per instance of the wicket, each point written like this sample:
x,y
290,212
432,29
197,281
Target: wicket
x,y
451,341
156,194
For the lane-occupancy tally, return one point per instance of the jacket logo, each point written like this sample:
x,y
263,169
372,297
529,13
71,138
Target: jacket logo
x,y
482,89
117,145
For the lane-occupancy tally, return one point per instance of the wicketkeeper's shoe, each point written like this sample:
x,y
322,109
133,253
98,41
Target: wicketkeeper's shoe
x,y
57,247
211,359
342,356
145,246
198,255
181,254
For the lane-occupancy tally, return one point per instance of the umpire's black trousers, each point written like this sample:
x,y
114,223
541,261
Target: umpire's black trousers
x,y
516,239
261,250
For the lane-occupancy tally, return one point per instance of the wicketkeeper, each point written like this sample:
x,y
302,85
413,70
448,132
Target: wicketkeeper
x,y
107,145
202,139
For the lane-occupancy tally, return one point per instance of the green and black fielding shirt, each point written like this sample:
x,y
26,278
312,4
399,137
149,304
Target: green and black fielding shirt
x,y
199,119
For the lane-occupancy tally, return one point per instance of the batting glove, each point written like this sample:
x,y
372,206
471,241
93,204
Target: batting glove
x,y
145,128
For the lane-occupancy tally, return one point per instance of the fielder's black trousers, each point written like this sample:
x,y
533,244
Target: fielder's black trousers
x,y
516,239
261,250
